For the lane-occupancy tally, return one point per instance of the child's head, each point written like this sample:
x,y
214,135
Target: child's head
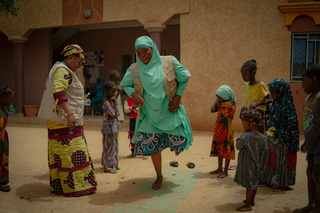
x,y
248,70
225,93
250,119
6,96
98,80
114,76
110,89
279,89
311,79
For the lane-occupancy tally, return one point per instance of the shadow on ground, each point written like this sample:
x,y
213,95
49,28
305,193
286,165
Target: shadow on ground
x,y
34,192
141,192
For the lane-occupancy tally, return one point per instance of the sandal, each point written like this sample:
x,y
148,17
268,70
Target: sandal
x,y
112,171
174,164
191,165
5,188
232,167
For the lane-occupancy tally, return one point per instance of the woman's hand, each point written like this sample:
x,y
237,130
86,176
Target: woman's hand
x,y
303,147
137,99
175,103
71,121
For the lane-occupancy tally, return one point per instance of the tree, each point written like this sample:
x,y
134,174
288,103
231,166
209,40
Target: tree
x,y
9,7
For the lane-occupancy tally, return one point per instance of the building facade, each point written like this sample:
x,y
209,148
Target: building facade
x,y
212,38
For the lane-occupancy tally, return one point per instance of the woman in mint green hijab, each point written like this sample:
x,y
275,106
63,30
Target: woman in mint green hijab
x,y
162,122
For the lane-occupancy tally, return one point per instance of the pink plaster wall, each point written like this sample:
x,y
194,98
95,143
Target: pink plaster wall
x,y
37,60
298,97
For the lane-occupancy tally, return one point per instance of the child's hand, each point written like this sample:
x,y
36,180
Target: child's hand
x,y
119,89
215,106
113,99
303,147
253,105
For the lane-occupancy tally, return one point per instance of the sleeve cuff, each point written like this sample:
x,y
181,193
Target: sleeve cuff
x,y
61,96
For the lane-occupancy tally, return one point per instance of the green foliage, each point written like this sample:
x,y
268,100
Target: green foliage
x,y
9,7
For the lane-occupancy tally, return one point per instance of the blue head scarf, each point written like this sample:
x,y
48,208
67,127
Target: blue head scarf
x,y
226,93
283,115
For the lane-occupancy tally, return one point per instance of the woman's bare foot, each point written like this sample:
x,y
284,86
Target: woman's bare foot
x,y
252,204
217,171
244,208
157,184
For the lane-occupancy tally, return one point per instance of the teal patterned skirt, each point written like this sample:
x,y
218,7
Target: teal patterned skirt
x,y
150,143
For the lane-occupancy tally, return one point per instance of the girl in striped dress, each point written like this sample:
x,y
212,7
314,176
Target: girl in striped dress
x,y
110,129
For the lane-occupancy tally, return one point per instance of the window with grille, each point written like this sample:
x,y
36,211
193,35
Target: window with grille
x,y
305,52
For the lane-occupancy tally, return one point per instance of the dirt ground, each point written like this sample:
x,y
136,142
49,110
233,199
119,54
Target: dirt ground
x,y
183,189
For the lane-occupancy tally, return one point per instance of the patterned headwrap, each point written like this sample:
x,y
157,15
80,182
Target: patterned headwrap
x,y
283,115
226,93
72,49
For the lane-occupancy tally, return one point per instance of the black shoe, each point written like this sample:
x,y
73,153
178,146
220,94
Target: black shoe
x,y
191,165
174,164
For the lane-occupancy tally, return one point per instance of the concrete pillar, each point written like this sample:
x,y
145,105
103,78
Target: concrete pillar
x,y
18,42
155,29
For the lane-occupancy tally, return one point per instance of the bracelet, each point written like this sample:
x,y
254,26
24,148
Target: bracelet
x,y
71,113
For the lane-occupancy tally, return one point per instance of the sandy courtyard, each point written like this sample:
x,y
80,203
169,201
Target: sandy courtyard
x,y
183,189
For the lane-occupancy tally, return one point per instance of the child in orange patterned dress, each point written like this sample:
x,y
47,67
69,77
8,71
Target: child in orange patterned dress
x,y
223,138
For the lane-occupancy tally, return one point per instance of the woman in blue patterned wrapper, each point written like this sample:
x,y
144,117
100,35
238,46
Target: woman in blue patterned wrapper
x,y
162,120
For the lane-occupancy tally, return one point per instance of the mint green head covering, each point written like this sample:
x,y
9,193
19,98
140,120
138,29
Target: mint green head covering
x,y
142,42
226,93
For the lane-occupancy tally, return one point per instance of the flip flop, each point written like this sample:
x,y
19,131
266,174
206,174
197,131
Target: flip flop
x,y
112,171
5,188
174,164
191,165
232,167
221,176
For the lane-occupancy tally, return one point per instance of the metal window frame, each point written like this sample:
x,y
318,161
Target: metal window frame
x,y
123,71
295,79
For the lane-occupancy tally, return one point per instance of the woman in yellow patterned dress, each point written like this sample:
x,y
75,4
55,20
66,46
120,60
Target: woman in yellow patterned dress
x,y
71,169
